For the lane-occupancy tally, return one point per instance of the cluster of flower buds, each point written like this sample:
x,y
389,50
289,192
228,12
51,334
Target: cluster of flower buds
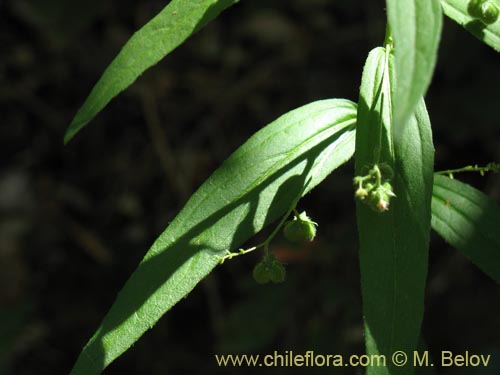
x,y
269,269
484,10
374,188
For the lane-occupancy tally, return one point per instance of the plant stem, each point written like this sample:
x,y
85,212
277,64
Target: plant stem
x,y
388,36
490,167
378,175
267,241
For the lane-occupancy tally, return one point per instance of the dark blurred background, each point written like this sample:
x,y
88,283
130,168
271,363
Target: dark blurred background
x,y
76,220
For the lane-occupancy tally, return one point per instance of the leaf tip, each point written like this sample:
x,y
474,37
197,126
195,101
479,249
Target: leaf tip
x,y
73,128
67,137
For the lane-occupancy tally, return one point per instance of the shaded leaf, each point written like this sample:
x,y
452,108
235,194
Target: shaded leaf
x,y
253,187
170,28
416,30
393,244
458,11
468,220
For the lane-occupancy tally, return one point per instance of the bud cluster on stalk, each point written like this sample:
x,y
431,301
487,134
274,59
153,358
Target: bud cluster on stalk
x,y
374,188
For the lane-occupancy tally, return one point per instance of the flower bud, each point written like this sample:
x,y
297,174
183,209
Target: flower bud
x,y
361,193
484,10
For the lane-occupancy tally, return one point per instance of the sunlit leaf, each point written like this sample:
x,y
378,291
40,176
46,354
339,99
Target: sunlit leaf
x,y
470,221
393,244
416,30
251,189
170,28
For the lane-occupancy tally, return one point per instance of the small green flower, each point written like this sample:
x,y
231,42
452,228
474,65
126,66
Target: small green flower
x,y
361,193
383,204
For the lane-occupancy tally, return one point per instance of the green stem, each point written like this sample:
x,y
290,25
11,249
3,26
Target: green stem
x,y
266,242
388,36
378,175
490,167
230,255
386,89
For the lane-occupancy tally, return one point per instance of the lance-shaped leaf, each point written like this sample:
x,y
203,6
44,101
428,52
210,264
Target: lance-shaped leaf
x,y
393,244
416,30
469,220
458,10
160,36
253,187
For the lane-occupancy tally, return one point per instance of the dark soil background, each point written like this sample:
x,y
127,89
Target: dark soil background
x,y
75,220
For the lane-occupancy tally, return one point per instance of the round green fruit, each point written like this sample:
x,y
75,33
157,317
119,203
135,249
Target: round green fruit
x,y
277,272
261,273
361,193
490,13
474,8
300,229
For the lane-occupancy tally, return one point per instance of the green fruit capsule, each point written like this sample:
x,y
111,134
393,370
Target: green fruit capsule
x,y
277,272
379,200
261,273
484,10
490,13
269,269
300,229
474,8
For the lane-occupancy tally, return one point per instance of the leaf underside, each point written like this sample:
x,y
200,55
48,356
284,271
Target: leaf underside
x,y
160,36
253,187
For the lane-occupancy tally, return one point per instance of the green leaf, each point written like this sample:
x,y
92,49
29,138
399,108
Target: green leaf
x,y
170,28
393,244
416,30
458,11
468,220
253,187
